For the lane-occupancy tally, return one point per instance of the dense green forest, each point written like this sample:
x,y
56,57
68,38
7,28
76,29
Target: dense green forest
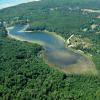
x,y
25,76
23,72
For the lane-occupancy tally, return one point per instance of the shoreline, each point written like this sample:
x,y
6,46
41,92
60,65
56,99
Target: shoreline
x,y
55,34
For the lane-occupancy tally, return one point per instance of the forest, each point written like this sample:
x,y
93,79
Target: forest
x,y
23,73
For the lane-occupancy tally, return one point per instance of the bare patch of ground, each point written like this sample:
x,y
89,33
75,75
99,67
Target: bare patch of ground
x,y
76,41
90,10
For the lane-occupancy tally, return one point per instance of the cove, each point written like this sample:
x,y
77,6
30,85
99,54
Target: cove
x,y
56,54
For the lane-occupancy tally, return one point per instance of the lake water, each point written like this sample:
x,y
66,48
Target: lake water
x,y
55,51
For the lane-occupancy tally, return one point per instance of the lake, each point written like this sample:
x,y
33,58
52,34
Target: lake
x,y
56,54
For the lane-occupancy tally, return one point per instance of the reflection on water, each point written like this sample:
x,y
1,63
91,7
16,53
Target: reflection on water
x,y
55,51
